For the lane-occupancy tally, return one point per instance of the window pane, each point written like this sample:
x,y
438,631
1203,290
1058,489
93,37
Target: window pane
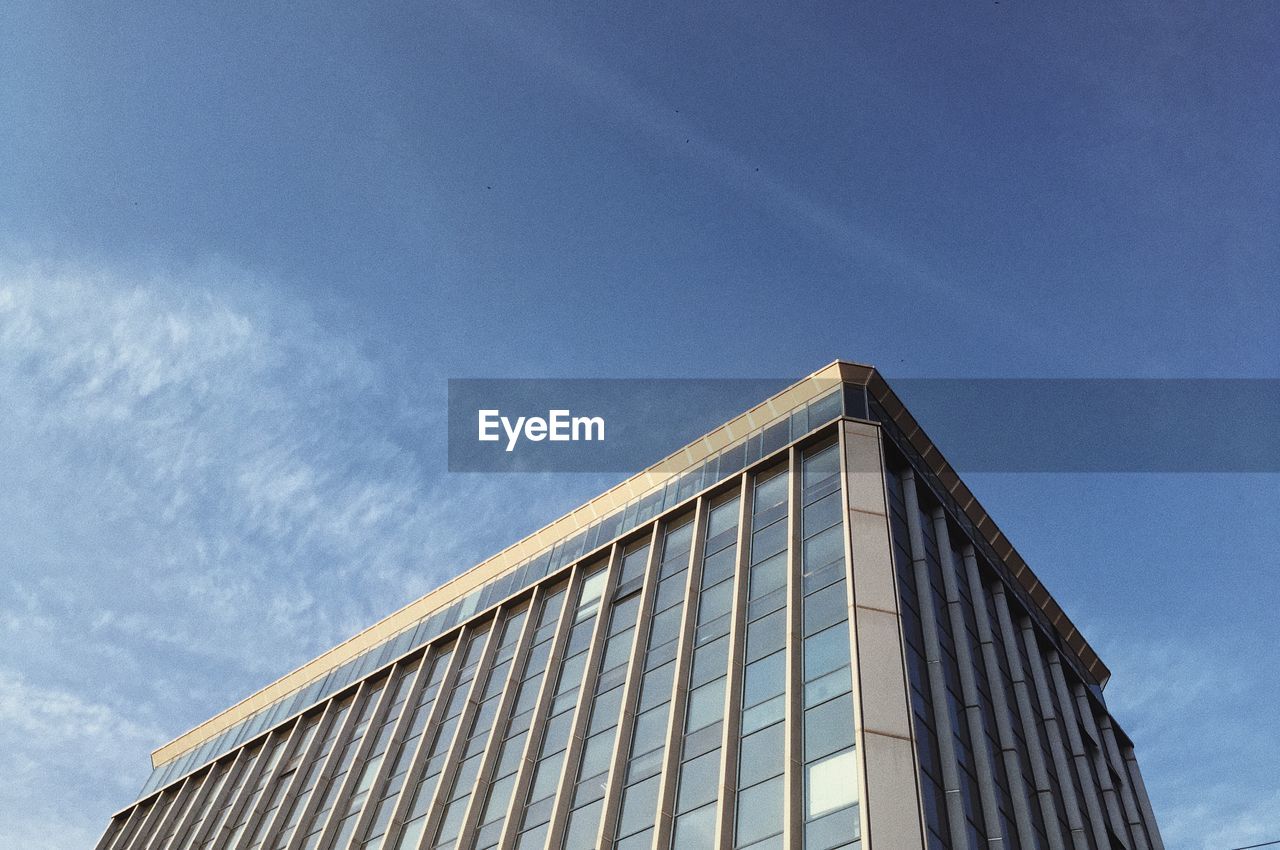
x,y
822,514
822,549
768,576
709,661
719,566
829,727
706,705
699,781
722,517
639,805
651,730
764,679
825,608
763,714
826,651
760,811
831,784
584,823
696,830
766,635
824,688
761,755
715,602
837,829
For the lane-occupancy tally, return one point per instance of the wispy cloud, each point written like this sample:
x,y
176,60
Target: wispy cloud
x,y
1181,701
202,487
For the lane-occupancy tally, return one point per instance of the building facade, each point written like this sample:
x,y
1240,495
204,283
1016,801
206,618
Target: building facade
x,y
801,631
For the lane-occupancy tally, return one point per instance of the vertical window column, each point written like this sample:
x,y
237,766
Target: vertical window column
x,y
557,729
470,750
322,803
338,712
598,728
698,786
405,750
221,772
641,774
286,773
493,814
440,731
761,652
829,764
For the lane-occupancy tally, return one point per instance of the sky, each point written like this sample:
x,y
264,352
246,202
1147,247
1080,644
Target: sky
x,y
244,246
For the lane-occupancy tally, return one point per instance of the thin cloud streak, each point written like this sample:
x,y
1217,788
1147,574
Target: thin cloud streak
x,y
201,491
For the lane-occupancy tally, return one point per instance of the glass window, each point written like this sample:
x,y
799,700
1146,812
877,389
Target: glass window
x,y
770,492
547,777
768,576
769,542
823,548
825,687
639,805
764,679
722,517
706,705
699,781
696,830
761,755
651,729
766,635
825,608
719,566
822,514
831,784
605,712
770,711
596,754
826,650
828,727
657,686
760,811
639,841
710,661
715,602
584,823
838,829
665,627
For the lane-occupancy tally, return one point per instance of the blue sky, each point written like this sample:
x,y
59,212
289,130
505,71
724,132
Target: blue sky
x,y
241,250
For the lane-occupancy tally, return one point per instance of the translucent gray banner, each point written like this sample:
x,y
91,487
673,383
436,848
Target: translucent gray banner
x,y
980,425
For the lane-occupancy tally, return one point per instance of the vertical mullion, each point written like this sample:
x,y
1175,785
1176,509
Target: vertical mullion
x,y
546,690
110,840
793,728
667,785
422,751
340,741
177,812
449,771
500,719
732,723
213,833
1067,719
933,660
968,685
251,820
1144,801
317,740
159,810
246,790
226,782
1132,815
1026,714
113,828
1110,796
194,801
615,780
586,698
1018,791
420,676
1049,719
357,761
139,832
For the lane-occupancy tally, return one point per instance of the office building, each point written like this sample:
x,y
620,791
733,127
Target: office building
x,y
800,631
